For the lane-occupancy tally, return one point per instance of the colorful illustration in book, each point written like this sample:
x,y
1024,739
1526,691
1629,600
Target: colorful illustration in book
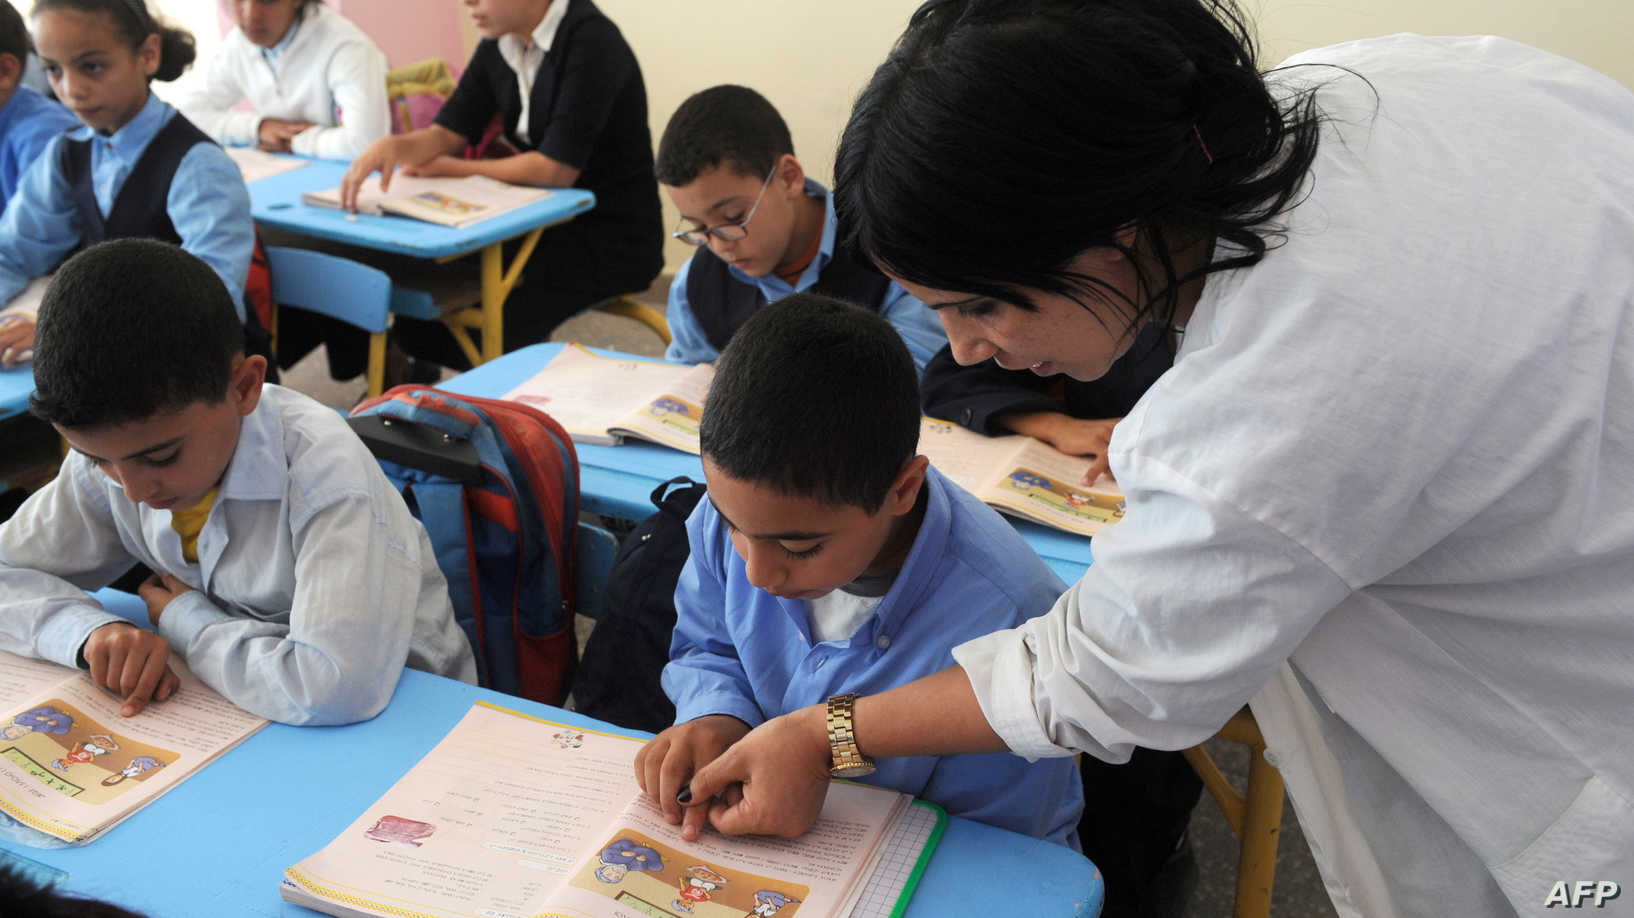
x,y
567,740
648,877
140,765
769,902
86,751
442,203
696,886
1064,498
43,719
623,856
69,752
674,412
397,830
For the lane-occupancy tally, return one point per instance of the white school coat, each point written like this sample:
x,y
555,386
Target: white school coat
x,y
1390,480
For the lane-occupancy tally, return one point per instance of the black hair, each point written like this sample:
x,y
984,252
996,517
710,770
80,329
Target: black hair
x,y
14,38
724,125
132,22
129,329
814,398
23,896
1002,138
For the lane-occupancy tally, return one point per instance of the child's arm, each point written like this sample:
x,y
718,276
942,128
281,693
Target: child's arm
x,y
687,341
531,168
386,154
356,76
917,323
39,227
714,702
60,543
210,209
358,574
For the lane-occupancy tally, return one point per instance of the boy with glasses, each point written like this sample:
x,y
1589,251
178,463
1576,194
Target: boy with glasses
x,y
763,230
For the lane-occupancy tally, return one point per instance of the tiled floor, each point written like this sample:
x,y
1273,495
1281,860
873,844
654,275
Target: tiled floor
x,y
1298,891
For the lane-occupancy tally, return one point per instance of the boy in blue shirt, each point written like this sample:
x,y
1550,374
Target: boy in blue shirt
x,y
289,573
28,120
763,230
830,558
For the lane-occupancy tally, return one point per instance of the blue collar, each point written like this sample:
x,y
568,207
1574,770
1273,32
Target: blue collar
x,y
924,559
128,142
271,55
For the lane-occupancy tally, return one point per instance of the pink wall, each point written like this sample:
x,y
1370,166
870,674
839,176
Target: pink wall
x,y
411,30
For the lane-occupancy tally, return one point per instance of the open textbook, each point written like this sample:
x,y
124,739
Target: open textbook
x,y
510,816
603,400
255,164
27,303
449,201
1023,477
72,768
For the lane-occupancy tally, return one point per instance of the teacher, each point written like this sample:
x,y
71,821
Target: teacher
x,y
1386,493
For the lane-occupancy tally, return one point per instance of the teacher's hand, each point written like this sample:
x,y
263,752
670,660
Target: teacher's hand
x,y
773,781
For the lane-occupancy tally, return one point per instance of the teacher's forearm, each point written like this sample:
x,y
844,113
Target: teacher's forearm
x,y
936,715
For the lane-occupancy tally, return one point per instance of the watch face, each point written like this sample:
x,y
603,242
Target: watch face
x,y
852,770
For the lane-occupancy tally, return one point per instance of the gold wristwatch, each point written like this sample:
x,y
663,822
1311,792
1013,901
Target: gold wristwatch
x,y
847,761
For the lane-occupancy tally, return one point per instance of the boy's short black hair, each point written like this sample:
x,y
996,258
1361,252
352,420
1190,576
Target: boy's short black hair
x,y
14,39
732,126
814,398
129,329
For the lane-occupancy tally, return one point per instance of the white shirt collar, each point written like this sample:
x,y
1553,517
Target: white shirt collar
x,y
512,48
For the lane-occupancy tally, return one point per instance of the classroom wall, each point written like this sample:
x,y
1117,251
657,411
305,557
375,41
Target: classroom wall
x,y
810,57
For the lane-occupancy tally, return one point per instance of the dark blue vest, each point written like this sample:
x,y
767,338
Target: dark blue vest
x,y
722,303
139,209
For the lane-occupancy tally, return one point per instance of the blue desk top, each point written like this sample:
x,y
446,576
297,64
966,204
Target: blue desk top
x,y
16,385
617,481
276,201
217,843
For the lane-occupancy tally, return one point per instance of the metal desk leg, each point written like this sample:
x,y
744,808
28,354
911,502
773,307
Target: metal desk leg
x,y
497,283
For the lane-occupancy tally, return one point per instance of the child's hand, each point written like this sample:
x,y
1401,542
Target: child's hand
x,y
441,167
275,134
381,157
1087,438
157,591
130,662
668,761
16,340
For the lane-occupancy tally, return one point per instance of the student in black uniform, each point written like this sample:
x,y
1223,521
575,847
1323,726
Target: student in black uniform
x,y
1073,416
763,230
569,94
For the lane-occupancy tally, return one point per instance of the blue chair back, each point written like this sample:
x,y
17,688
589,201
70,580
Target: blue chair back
x,y
330,285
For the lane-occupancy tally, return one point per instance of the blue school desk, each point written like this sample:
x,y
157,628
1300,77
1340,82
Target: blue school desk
x,y
218,842
618,481
16,384
275,202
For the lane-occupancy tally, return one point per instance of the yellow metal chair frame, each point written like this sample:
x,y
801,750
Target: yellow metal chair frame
x,y
1256,816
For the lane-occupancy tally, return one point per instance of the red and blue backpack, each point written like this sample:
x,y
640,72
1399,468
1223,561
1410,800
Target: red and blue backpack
x,y
496,485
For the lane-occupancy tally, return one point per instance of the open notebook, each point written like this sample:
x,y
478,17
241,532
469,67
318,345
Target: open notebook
x,y
449,201
511,816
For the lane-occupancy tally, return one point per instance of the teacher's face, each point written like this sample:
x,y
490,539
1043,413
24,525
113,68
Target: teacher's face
x,y
1078,337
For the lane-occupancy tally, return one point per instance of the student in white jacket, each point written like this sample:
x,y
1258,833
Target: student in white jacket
x,y
1386,493
316,82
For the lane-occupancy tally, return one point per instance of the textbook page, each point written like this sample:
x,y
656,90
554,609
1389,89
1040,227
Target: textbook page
x,y
255,164
510,816
601,400
71,767
1023,477
448,201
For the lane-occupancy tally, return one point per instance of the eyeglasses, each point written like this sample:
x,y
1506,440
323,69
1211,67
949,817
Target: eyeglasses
x,y
726,232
